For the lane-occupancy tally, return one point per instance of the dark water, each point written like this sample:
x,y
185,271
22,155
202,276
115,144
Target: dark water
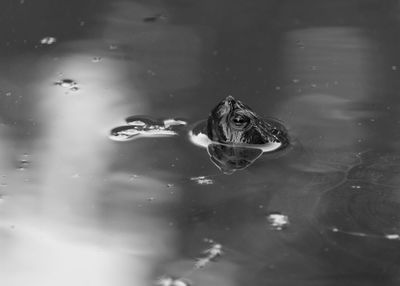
x,y
77,208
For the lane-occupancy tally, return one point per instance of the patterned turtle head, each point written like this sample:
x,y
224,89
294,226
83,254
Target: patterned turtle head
x,y
231,121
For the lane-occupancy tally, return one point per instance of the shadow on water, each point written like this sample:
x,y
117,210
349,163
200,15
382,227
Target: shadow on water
x,y
77,208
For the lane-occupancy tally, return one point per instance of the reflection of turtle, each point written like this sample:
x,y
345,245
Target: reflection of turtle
x,y
233,134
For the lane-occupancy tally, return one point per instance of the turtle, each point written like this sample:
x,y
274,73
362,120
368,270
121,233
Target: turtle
x,y
234,135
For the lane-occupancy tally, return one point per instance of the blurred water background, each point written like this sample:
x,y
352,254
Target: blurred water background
x,y
77,208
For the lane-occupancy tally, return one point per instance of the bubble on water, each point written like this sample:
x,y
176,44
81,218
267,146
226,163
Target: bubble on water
x,y
68,84
48,40
96,59
172,281
202,180
278,221
356,187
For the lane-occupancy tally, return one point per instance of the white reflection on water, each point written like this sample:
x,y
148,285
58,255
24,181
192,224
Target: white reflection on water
x,y
70,219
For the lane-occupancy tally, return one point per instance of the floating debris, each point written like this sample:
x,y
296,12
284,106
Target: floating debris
x,y
278,221
67,83
202,180
48,40
171,281
129,132
141,126
210,254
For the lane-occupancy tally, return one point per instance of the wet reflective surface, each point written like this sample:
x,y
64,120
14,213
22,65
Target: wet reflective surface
x,y
77,208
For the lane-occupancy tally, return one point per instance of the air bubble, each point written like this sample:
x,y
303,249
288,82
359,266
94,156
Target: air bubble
x,y
48,40
278,221
68,84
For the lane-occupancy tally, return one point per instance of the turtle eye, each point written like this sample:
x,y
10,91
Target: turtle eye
x,y
239,120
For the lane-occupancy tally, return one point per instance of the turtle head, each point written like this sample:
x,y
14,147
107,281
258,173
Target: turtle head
x,y
231,121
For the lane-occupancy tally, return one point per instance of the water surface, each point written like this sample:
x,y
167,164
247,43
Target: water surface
x,y
77,208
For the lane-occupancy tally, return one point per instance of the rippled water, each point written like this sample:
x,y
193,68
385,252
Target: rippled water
x,y
77,208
